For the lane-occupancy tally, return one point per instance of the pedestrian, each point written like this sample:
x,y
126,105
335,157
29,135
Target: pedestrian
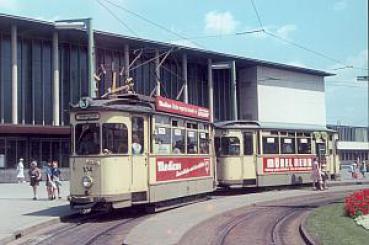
x,y
49,182
324,174
56,179
20,171
316,175
363,168
35,177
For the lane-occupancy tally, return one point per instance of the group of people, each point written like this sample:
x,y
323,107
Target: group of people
x,y
319,175
358,167
52,177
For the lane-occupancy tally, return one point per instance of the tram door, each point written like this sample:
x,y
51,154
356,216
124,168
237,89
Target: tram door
x,y
249,171
139,146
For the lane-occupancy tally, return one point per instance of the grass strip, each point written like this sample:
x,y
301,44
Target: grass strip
x,y
330,225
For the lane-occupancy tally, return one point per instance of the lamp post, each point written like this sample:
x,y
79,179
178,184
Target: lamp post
x,y
83,25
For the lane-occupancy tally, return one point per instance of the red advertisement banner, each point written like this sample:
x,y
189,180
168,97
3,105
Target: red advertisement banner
x,y
181,168
181,108
287,163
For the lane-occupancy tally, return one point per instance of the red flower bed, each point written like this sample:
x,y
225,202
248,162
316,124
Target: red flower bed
x,y
357,203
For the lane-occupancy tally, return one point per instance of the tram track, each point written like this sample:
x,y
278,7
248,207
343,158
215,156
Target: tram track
x,y
104,228
277,223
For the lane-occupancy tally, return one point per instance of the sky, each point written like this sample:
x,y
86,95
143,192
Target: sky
x,y
335,30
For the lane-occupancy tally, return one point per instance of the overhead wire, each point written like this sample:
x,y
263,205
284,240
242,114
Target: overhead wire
x,y
150,21
117,18
346,66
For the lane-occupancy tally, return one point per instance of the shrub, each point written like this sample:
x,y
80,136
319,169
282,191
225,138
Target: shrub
x,y
357,204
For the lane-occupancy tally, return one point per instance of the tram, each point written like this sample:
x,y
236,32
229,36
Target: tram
x,y
251,153
132,150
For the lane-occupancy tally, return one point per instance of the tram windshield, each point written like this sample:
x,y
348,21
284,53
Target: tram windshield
x,y
87,139
230,146
115,138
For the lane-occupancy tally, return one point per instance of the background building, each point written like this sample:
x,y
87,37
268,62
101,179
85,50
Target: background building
x,y
353,143
43,70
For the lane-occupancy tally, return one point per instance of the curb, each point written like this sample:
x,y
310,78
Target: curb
x,y
27,230
340,183
308,239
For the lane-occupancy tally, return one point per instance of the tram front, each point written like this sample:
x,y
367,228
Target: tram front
x,y
101,156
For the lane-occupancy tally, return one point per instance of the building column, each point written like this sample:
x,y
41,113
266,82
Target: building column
x,y
91,58
211,90
157,72
56,95
185,78
14,75
126,61
234,91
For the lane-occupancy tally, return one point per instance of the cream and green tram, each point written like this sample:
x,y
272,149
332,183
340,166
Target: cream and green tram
x,y
130,150
252,154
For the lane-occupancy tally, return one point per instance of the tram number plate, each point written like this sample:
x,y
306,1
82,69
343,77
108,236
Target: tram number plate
x,y
285,164
181,168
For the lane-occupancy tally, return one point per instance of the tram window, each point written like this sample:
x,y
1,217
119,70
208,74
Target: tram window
x,y
204,143
248,144
230,146
192,142
87,137
192,125
162,143
203,126
178,141
115,138
288,145
270,145
304,146
177,123
138,135
162,120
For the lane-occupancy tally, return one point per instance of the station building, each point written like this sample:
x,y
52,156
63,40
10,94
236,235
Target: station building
x,y
43,70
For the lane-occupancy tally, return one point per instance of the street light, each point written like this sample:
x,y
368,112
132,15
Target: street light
x,y
83,25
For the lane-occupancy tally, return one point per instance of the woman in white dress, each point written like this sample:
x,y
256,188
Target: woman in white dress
x,y
20,171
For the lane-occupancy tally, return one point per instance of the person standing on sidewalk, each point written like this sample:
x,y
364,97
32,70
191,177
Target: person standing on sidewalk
x,y
20,171
35,177
49,182
363,168
316,175
55,171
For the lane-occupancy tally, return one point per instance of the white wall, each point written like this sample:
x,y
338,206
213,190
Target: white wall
x,y
290,97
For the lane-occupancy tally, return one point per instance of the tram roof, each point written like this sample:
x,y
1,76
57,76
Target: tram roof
x,y
249,124
126,102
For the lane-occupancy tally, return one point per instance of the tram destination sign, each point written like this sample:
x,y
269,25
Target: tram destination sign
x,y
181,168
287,163
181,108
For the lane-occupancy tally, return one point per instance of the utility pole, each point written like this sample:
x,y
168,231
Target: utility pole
x,y
365,79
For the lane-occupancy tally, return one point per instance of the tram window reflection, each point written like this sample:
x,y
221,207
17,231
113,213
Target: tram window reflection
x,y
204,143
87,137
230,146
288,145
270,145
138,135
178,141
115,138
304,146
162,144
192,146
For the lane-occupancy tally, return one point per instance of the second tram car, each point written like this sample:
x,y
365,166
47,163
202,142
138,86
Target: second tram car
x,y
252,154
131,149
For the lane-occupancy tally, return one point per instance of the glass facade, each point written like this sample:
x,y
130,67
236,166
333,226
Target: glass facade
x,y
34,149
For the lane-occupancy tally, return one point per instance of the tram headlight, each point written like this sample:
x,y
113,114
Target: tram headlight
x,y
87,181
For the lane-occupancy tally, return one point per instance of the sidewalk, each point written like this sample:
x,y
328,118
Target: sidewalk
x,y
19,213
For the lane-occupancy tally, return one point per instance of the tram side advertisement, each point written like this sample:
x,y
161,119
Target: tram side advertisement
x,y
287,163
181,168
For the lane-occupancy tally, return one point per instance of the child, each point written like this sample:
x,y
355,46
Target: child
x,y
35,176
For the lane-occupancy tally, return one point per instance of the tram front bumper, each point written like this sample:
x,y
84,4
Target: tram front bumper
x,y
117,201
